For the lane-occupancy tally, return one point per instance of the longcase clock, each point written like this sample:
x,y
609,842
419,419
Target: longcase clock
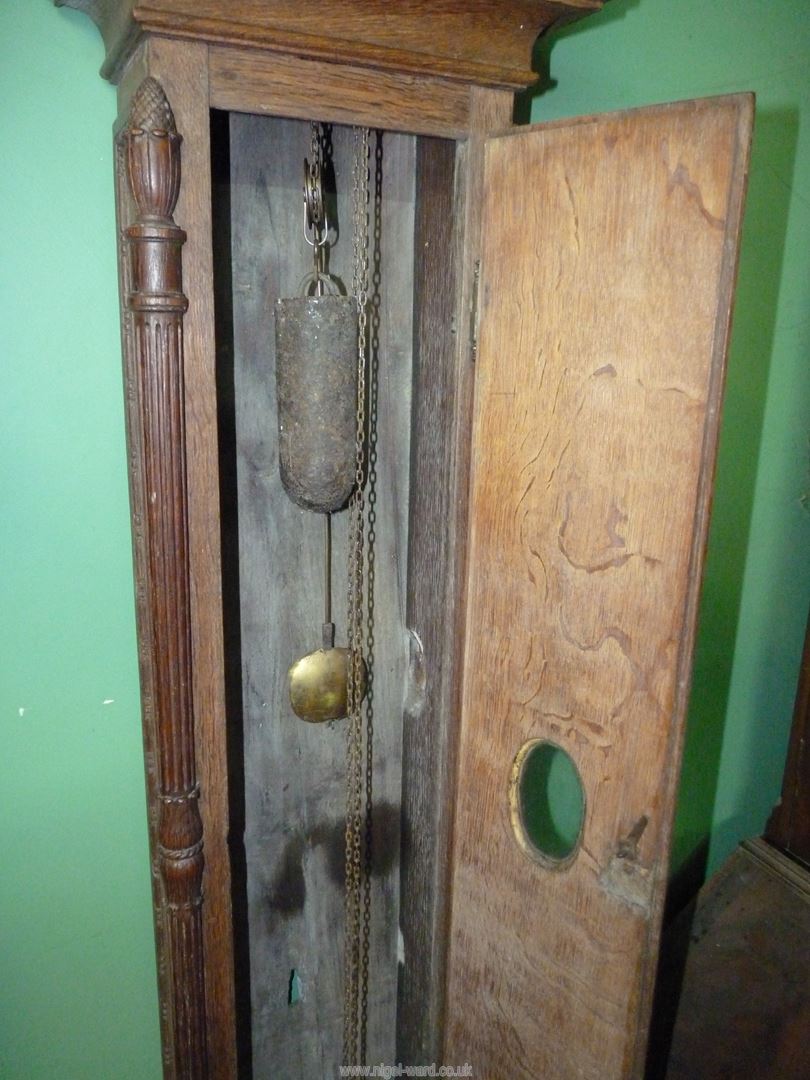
x,y
544,315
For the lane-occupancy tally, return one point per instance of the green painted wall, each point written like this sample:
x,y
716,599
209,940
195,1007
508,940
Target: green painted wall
x,y
77,983
77,997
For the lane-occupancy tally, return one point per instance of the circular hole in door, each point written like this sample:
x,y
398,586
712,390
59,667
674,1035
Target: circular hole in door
x,y
547,802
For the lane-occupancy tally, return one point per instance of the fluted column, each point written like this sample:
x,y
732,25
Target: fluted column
x,y
156,305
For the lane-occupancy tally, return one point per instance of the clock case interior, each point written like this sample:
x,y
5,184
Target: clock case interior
x,y
287,778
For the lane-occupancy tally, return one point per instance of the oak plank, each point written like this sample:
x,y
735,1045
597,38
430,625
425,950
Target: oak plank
x,y
448,225
605,293
245,80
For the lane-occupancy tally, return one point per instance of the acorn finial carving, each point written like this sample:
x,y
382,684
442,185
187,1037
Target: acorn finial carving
x,y
150,108
153,152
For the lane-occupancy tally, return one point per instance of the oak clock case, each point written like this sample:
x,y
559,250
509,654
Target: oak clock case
x,y
548,317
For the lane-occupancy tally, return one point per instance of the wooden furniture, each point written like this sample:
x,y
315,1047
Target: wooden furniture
x,y
552,309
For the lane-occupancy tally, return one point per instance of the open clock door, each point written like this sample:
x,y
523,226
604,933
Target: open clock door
x,y
608,260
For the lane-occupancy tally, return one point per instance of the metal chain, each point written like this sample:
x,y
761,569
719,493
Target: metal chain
x,y
373,270
316,226
314,145
357,926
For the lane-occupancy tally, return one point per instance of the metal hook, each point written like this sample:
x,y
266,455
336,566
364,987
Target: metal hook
x,y
316,221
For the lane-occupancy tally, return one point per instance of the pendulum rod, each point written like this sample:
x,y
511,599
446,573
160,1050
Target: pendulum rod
x,y
328,625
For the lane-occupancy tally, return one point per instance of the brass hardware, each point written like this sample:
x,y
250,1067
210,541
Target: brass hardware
x,y
319,685
319,681
553,850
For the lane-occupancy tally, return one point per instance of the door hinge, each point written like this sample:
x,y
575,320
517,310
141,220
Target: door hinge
x,y
474,312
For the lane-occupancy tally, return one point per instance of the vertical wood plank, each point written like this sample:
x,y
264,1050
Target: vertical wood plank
x,y
449,190
294,772
606,283
431,512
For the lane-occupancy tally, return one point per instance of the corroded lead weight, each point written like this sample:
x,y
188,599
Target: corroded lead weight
x,y
316,389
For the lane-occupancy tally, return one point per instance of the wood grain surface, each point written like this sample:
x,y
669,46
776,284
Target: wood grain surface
x,y
487,42
295,788
182,70
607,268
126,211
448,231
435,488
155,303
245,80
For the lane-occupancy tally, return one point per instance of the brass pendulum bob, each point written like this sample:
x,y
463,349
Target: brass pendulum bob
x,y
319,681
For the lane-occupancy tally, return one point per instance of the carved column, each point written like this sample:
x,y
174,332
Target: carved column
x,y
156,304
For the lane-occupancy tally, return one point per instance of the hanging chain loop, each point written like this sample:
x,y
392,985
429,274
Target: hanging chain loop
x,y
355,1012
316,222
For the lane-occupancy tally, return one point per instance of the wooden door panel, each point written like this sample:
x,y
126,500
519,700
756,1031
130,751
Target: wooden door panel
x,y
607,267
